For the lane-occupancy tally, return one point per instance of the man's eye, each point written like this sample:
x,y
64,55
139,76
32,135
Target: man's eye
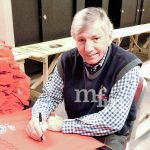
x,y
81,40
96,38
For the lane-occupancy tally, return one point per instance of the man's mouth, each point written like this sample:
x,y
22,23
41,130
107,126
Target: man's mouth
x,y
91,55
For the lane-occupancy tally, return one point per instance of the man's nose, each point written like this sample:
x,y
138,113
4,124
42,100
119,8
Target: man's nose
x,y
89,46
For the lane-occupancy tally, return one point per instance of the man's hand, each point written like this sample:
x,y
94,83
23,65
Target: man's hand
x,y
36,129
55,123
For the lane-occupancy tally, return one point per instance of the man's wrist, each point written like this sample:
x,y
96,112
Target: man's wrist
x,y
68,126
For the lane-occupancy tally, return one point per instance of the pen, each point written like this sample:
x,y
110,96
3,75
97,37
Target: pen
x,y
40,120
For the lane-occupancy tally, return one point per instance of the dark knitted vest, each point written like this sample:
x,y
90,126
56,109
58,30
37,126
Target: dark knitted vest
x,y
78,102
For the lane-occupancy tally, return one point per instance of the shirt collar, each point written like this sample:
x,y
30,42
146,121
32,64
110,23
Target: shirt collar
x,y
94,68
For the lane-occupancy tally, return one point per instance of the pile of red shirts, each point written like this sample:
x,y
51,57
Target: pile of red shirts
x,y
14,84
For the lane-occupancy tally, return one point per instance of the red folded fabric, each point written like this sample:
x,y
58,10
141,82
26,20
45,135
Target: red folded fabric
x,y
5,66
21,90
18,74
11,105
3,98
5,52
14,84
6,79
14,65
4,88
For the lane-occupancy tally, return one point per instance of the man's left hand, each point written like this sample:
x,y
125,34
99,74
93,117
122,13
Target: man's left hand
x,y
55,123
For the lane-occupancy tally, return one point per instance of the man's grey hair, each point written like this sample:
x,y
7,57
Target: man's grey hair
x,y
87,16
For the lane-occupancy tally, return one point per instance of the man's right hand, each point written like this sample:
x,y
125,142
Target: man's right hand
x,y
36,129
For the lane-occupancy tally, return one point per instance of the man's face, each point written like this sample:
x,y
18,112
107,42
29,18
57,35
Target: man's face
x,y
92,43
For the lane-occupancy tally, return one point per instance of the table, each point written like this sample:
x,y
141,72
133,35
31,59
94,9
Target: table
x,y
41,51
14,137
20,58
133,32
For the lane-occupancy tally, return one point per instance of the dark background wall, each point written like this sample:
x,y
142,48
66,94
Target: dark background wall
x,y
42,20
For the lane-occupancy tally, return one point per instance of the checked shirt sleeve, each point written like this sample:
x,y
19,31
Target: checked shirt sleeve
x,y
112,118
51,96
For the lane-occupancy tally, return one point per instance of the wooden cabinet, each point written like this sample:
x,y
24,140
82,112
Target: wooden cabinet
x,y
56,18
142,12
80,4
27,28
124,13
26,22
41,20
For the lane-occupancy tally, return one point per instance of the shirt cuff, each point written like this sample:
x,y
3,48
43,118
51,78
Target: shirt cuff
x,y
68,126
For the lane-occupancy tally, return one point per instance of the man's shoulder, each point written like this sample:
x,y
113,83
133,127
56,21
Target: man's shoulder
x,y
73,51
121,52
71,55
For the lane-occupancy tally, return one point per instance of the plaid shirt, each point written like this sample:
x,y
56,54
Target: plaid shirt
x,y
110,120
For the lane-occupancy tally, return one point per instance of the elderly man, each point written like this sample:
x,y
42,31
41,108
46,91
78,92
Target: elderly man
x,y
97,81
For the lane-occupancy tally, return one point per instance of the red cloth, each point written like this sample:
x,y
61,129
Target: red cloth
x,y
14,84
5,52
17,139
4,66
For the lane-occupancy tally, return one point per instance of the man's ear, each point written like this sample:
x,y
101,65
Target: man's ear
x,y
110,39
